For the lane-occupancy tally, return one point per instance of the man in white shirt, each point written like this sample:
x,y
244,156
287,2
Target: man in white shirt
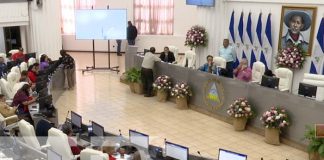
x,y
227,52
147,71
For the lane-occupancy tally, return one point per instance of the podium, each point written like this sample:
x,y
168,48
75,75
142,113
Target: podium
x,y
129,59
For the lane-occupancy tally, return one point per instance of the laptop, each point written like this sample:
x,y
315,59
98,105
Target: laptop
x,y
230,155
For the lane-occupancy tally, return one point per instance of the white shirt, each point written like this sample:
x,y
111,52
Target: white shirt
x,y
149,59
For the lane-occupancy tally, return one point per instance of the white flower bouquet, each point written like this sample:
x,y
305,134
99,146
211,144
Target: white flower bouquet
x,y
181,90
240,108
275,118
162,82
196,36
291,57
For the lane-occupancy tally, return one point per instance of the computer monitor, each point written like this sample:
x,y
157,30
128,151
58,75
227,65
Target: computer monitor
x,y
51,155
139,139
97,129
270,82
307,90
76,120
229,155
176,151
30,55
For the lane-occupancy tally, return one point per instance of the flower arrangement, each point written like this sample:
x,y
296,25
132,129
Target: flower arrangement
x,y
181,90
196,36
291,57
275,118
240,108
162,82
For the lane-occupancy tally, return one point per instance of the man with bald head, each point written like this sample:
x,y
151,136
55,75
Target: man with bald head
x,y
243,72
227,52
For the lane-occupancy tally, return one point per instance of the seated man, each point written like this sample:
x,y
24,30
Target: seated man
x,y
167,56
243,72
209,66
6,110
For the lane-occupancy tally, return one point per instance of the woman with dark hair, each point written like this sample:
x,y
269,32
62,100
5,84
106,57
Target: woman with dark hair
x,y
32,72
22,99
44,62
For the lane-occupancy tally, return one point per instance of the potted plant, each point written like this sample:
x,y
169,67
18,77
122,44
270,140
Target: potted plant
x,y
133,77
315,146
274,120
181,91
240,110
162,84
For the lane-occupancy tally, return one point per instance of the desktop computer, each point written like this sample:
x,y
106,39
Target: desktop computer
x,y
76,121
307,90
139,139
270,82
229,155
176,151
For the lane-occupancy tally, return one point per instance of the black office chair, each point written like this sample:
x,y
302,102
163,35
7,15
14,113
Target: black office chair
x,y
41,130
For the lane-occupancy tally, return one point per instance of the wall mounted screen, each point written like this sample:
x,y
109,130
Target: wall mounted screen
x,y
210,3
101,24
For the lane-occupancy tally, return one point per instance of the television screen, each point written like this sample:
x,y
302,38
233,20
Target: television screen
x,y
210,3
101,24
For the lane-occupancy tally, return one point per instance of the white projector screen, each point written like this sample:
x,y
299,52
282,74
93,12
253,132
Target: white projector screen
x,y
101,24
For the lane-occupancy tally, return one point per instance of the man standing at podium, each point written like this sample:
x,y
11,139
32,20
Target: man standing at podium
x,y
131,33
147,71
227,52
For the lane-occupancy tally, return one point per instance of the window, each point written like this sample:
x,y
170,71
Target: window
x,y
67,10
154,16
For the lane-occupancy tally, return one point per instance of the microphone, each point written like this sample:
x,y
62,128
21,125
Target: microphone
x,y
199,154
120,134
66,117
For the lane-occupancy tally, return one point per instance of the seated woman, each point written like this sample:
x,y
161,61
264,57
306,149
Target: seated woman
x,y
209,66
6,110
22,99
243,72
32,72
44,62
67,129
167,56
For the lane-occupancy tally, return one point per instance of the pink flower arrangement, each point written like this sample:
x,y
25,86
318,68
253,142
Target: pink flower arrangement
x,y
240,108
162,82
196,36
291,57
275,118
181,90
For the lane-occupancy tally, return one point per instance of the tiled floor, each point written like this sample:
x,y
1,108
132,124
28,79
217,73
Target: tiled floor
x,y
99,96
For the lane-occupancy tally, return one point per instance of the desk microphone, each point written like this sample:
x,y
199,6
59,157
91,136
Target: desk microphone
x,y
199,154
120,134
66,117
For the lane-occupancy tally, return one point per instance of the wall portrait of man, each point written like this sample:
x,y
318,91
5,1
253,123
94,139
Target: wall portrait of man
x,y
297,27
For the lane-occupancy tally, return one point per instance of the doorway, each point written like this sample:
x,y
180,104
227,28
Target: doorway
x,y
12,38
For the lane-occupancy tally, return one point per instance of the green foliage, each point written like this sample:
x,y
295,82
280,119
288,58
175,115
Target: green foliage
x,y
315,144
133,75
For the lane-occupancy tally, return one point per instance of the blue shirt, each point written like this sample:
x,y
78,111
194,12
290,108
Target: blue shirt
x,y
205,68
228,54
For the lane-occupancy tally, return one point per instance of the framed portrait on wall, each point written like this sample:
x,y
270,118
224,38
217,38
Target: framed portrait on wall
x,y
297,27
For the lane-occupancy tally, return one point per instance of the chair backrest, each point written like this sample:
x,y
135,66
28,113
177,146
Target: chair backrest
x,y
12,79
2,121
174,50
28,133
23,66
191,58
4,56
285,78
17,86
258,70
91,154
5,88
15,69
13,51
31,61
59,143
220,62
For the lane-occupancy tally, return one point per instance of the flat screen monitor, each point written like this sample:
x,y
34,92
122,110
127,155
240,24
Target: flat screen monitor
x,y
139,139
101,24
307,90
97,129
270,82
51,155
76,120
229,155
176,151
209,3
